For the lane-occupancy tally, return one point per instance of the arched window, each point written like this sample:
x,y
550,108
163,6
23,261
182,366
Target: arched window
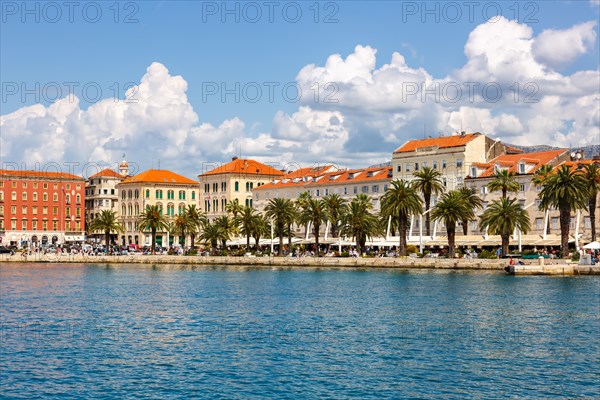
x,y
181,208
130,209
54,197
123,210
78,198
193,195
182,195
130,194
137,209
24,196
123,195
137,194
147,193
236,186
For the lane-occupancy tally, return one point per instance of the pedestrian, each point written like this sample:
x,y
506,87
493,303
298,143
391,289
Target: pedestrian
x,y
498,252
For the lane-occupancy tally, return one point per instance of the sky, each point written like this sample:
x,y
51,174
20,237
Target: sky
x,y
183,85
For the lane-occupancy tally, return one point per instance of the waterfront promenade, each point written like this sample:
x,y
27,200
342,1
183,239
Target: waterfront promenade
x,y
560,267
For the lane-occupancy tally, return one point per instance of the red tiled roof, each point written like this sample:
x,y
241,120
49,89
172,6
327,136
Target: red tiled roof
x,y
159,176
354,176
512,160
440,142
39,174
513,150
292,178
245,166
107,172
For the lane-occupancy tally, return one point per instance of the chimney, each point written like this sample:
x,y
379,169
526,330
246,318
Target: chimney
x,y
234,158
463,133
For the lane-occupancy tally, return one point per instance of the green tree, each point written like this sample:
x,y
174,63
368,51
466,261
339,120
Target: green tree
x,y
591,173
472,201
245,221
196,219
428,181
401,201
334,206
567,191
106,223
281,211
502,217
504,180
228,228
313,212
260,228
451,208
153,220
359,221
212,233
180,226
234,208
539,179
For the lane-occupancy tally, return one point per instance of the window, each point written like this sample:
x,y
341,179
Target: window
x,y
13,224
539,222
1,196
182,195
316,192
484,190
443,164
147,193
416,166
407,167
35,185
68,187
122,195
78,199
24,185
326,192
554,222
45,186
35,198
435,165
193,195
572,223
236,186
522,187
112,191
14,196
55,197
45,197
587,223
375,189
345,190
1,224
129,194
459,162
55,210
355,190
385,187
34,225
473,172
24,196
399,168
13,209
24,210
521,168
473,226
365,189
14,184
55,225
424,164
45,225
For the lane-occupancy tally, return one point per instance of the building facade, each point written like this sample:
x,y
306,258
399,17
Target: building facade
x,y
235,180
39,208
452,155
171,192
102,194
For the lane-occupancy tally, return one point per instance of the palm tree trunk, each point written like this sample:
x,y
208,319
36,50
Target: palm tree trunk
x,y
357,238
193,238
317,227
427,216
592,207
107,239
256,239
505,243
280,249
248,242
451,240
153,239
565,220
182,239
289,237
402,232
465,226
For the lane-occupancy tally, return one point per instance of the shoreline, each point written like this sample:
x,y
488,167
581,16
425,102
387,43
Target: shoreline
x,y
552,267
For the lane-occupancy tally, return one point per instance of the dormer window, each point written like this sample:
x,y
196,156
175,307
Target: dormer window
x,y
473,172
521,167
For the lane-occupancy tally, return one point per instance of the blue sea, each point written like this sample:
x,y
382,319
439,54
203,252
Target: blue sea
x,y
93,331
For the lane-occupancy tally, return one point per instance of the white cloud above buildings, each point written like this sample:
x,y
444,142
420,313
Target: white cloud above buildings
x,y
510,87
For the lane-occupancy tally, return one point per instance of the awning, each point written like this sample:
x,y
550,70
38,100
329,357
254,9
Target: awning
x,y
74,238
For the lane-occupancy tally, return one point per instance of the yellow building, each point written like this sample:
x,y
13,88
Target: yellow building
x,y
167,190
452,155
234,180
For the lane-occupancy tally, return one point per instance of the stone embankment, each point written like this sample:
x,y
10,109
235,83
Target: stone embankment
x,y
552,266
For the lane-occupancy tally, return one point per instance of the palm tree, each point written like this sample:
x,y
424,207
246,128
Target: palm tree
x,y
196,218
502,217
334,205
359,220
504,180
245,221
565,190
180,225
234,207
281,211
539,179
428,181
313,212
106,222
300,203
153,219
260,228
400,201
228,228
211,233
472,201
591,173
451,208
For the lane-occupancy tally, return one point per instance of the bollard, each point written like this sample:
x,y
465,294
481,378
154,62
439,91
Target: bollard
x,y
541,260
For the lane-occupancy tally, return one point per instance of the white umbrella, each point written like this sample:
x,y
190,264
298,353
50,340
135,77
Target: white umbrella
x,y
592,246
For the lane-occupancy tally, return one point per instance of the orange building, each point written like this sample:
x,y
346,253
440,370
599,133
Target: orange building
x,y
41,208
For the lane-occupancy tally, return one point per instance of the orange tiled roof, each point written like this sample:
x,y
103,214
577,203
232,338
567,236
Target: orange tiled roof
x,y
295,178
575,164
244,166
440,142
512,160
354,176
39,174
513,150
107,172
159,176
